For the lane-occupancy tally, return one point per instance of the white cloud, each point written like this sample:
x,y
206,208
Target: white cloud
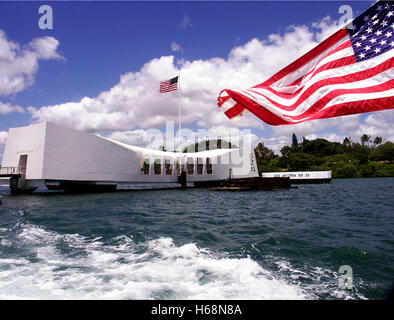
x,y
151,138
324,128
175,47
343,124
276,143
169,137
135,100
19,64
45,48
326,27
6,108
3,137
185,23
378,124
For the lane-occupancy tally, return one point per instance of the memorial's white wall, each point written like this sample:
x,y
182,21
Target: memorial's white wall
x,y
28,141
58,153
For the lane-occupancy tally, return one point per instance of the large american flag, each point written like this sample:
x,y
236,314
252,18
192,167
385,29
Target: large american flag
x,y
169,85
350,72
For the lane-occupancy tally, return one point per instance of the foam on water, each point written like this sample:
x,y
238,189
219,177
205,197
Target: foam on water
x,y
323,282
71,266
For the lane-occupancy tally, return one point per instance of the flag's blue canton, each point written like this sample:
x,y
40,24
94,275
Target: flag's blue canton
x,y
372,33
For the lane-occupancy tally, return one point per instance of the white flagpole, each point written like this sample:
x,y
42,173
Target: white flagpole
x,y
180,122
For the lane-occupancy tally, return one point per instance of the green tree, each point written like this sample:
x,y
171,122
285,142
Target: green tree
x,y
347,160
360,153
365,139
377,141
262,152
344,170
264,156
384,152
347,144
285,153
300,161
322,147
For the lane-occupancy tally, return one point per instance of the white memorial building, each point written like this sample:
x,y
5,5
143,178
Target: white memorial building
x,y
47,155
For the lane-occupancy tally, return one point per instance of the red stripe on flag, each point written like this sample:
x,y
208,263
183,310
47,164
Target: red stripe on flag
x,y
354,77
354,107
346,44
321,103
330,65
345,61
255,108
169,85
351,107
234,111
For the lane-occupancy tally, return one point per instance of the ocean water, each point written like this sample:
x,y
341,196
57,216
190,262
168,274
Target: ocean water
x,y
201,244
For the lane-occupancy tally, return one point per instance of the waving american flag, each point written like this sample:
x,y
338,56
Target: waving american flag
x,y
350,72
169,85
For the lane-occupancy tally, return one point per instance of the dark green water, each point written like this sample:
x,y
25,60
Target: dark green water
x,y
200,244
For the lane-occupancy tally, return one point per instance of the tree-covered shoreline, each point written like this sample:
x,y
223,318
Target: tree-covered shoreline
x,y
351,159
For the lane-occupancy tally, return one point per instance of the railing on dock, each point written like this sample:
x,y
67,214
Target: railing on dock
x,y
11,170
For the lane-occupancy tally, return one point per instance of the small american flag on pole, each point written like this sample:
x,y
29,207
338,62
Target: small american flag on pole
x,y
169,85
350,72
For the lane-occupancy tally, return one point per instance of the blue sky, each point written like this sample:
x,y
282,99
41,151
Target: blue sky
x,y
93,44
